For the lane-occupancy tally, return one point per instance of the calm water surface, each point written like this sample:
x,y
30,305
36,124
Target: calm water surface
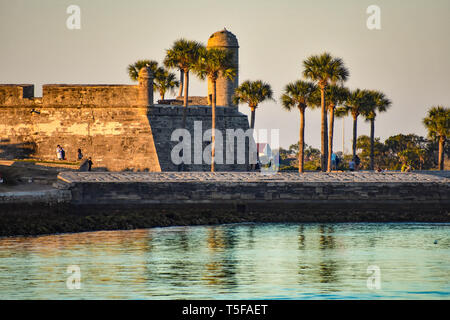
x,y
243,261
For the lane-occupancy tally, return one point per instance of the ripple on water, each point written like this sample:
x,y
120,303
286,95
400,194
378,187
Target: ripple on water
x,y
238,261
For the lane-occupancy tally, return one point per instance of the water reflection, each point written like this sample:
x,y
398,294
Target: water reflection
x,y
255,261
220,269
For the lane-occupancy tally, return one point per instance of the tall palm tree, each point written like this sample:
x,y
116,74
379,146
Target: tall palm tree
x,y
377,102
165,81
357,103
299,94
324,69
213,63
180,88
133,69
438,124
334,95
252,93
184,56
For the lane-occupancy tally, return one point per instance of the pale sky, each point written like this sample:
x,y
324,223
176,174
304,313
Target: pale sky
x,y
408,59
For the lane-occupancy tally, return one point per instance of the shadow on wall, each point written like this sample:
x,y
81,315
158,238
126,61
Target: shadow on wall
x,y
23,150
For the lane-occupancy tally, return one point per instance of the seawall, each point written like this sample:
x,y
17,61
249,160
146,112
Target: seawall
x,y
126,200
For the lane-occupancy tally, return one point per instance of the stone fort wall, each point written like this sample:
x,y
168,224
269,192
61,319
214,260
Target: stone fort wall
x,y
113,124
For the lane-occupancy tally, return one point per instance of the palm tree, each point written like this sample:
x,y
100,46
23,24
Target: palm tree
x,y
334,96
377,102
324,69
357,103
438,124
180,88
252,93
299,94
133,69
213,63
165,81
184,56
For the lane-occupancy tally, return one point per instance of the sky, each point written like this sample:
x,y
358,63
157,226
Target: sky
x,y
408,58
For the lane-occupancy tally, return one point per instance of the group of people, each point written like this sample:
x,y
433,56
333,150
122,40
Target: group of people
x,y
86,165
60,153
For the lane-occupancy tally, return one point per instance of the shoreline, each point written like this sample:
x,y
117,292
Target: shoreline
x,y
85,201
26,220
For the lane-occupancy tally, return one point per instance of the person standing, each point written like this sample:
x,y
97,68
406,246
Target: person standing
x,y
351,165
90,163
357,161
59,154
333,161
80,155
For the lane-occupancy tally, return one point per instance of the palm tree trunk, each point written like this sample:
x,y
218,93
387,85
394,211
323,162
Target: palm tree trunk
x,y
252,126
372,143
301,141
441,152
330,138
213,126
324,133
186,93
162,94
252,122
180,91
355,134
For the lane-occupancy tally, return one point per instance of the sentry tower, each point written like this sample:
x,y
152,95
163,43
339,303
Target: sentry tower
x,y
224,87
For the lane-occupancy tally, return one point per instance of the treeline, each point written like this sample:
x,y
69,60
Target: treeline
x,y
416,151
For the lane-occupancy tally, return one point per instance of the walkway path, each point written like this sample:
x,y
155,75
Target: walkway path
x,y
384,177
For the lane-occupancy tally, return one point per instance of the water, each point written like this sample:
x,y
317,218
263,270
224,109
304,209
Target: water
x,y
243,261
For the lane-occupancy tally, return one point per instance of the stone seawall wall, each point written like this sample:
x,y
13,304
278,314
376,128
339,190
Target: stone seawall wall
x,y
255,192
126,200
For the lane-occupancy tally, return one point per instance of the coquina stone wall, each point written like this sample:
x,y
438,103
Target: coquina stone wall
x,y
117,125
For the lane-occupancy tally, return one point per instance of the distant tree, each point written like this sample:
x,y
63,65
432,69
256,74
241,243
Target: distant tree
x,y
364,143
334,95
298,95
357,103
378,102
324,69
211,64
252,93
133,69
165,81
183,55
438,124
